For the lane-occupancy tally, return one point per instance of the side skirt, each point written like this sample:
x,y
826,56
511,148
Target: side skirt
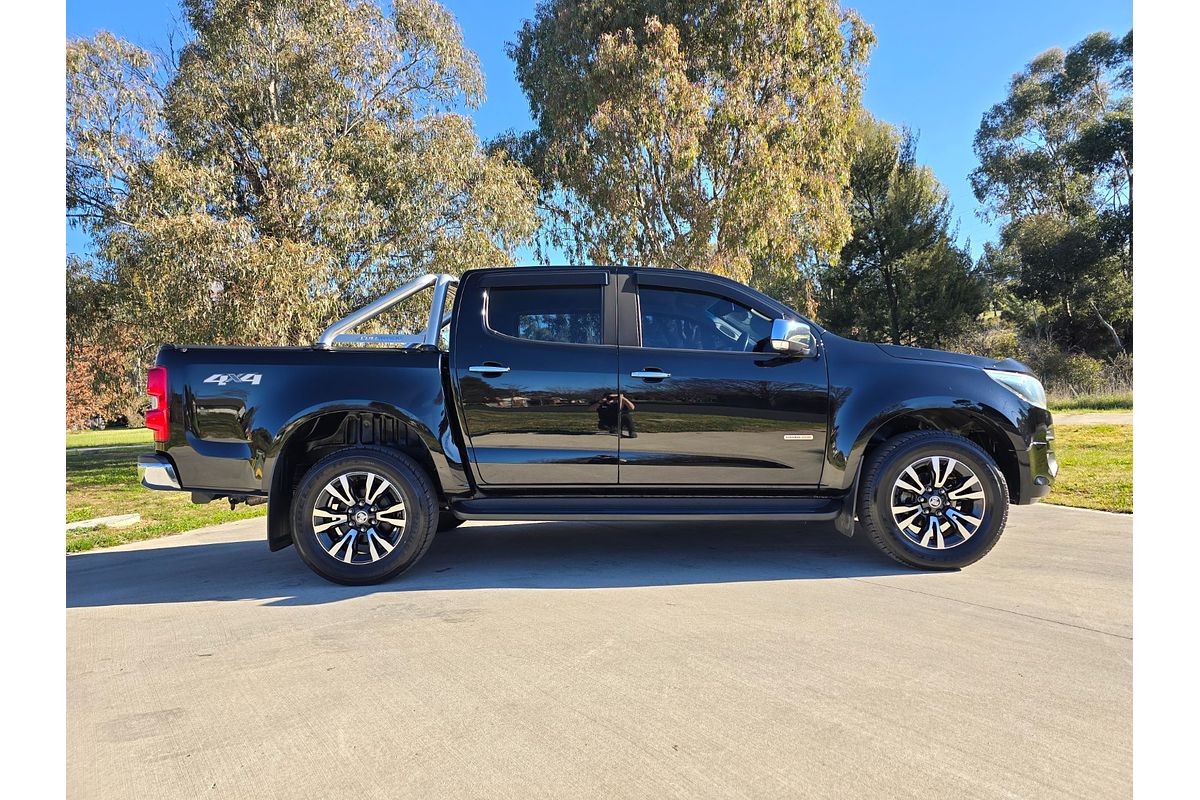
x,y
617,508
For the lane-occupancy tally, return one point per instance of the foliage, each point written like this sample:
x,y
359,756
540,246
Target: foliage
x,y
292,161
1065,374
901,277
713,137
94,372
1056,165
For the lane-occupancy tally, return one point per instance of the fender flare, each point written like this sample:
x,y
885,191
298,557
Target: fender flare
x,y
441,450
432,443
845,457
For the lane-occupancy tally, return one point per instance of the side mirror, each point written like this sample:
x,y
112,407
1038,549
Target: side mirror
x,y
793,337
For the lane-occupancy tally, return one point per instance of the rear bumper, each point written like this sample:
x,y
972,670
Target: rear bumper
x,y
157,472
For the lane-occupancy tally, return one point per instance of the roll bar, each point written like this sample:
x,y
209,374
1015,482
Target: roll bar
x,y
337,332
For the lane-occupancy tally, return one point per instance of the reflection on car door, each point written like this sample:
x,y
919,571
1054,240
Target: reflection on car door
x,y
539,358
707,406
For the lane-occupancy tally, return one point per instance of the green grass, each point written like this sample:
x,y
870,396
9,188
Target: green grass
x,y
108,437
1093,403
1095,467
104,482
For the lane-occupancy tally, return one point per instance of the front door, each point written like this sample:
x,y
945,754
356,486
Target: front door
x,y
534,358
703,404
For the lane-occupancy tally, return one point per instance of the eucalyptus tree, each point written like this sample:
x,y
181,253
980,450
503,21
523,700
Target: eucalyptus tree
x,y
1056,168
291,160
712,136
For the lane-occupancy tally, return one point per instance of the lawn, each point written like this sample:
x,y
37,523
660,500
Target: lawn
x,y
1095,467
104,482
107,438
1092,403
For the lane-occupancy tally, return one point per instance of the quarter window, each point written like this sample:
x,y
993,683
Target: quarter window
x,y
567,314
685,320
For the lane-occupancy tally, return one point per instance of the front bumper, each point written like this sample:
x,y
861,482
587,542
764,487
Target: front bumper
x,y
157,472
1038,479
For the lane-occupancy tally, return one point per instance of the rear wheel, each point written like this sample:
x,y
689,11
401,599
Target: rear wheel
x,y
364,515
933,500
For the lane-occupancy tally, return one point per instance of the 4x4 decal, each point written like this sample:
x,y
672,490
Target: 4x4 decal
x,y
233,377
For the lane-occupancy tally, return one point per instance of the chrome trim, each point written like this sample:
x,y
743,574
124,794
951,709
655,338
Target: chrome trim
x,y
792,336
156,472
337,332
486,368
650,374
437,311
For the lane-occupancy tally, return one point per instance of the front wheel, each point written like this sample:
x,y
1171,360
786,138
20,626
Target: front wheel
x,y
933,500
364,515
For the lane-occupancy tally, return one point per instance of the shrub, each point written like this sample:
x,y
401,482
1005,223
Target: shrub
x,y
1064,374
1073,374
992,341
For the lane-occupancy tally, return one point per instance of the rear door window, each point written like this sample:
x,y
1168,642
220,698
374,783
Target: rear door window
x,y
563,314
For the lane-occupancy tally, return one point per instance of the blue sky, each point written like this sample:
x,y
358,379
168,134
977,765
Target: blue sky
x,y
937,67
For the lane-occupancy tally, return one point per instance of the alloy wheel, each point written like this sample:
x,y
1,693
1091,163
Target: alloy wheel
x,y
359,517
938,502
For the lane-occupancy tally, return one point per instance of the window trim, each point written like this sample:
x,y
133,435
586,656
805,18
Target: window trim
x,y
545,278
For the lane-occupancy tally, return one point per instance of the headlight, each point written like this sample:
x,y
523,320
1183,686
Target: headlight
x,y
1026,387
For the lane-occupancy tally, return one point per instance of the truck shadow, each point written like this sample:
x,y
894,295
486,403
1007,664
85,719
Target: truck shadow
x,y
576,555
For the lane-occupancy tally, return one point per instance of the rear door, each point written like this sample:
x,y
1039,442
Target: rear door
x,y
534,358
703,404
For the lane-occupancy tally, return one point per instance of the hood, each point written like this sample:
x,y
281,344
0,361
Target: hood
x,y
944,357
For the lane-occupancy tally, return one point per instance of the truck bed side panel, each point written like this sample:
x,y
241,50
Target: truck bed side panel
x,y
232,409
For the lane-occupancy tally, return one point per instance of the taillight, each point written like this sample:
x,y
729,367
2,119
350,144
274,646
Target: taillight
x,y
156,417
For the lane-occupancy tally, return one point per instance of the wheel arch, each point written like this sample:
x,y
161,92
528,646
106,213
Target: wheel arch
x,y
314,434
972,424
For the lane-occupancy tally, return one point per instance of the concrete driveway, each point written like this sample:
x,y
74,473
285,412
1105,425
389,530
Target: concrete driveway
x,y
604,660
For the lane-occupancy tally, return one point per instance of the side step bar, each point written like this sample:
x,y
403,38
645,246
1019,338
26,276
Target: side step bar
x,y
782,509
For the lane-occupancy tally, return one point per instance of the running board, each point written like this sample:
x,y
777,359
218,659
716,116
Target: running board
x,y
780,509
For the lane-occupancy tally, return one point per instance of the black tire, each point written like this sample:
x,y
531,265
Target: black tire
x,y
885,466
420,510
448,522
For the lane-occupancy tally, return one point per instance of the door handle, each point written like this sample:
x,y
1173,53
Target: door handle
x,y
650,374
490,368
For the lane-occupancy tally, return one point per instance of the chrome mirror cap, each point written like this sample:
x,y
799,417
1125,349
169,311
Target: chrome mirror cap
x,y
792,336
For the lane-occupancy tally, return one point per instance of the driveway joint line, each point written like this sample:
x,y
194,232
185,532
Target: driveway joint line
x,y
995,608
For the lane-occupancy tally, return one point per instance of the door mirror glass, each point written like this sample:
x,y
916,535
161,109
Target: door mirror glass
x,y
793,337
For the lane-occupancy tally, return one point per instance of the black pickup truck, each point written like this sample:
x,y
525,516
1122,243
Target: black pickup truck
x,y
538,393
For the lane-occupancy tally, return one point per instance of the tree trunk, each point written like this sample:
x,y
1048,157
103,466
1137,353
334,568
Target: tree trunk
x,y
1108,327
893,304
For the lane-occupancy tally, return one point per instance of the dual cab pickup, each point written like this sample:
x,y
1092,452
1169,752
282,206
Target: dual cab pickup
x,y
590,392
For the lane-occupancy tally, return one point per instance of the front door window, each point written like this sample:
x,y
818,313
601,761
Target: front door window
x,y
687,320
